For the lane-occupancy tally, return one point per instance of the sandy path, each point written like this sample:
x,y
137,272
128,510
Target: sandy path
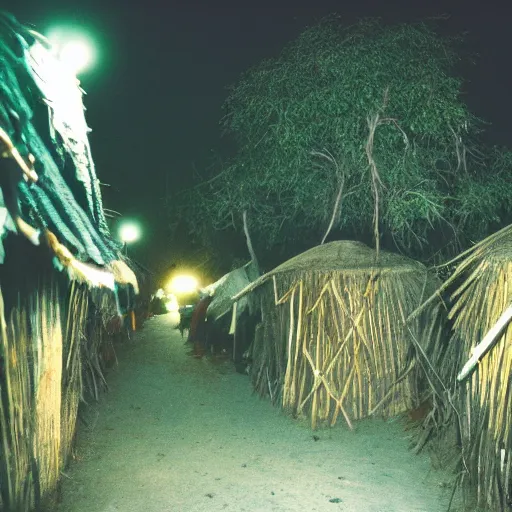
x,y
184,435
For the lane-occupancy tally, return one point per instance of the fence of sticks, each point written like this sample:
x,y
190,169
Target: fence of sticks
x,y
477,402
332,339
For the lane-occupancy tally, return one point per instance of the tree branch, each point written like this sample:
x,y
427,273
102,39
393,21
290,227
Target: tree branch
x,y
249,243
341,176
335,210
373,122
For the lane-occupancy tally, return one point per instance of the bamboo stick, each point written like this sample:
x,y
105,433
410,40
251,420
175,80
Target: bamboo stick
x,y
486,344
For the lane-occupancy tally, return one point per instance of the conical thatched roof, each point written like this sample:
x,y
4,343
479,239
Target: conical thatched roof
x,y
339,256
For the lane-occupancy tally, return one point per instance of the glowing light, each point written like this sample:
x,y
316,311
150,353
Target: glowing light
x,y
172,305
74,50
183,284
129,233
77,56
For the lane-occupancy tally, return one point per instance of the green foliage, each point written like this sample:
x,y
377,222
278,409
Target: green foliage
x,y
483,199
303,126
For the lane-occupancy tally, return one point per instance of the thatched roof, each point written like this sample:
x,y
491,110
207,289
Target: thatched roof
x,y
228,286
64,195
479,400
49,191
339,256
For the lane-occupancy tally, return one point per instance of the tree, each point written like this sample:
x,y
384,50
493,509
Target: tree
x,y
361,130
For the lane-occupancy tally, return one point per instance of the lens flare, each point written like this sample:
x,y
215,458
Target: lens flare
x,y
183,284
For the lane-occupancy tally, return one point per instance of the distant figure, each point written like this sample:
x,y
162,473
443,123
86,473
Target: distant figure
x,y
198,333
158,303
186,313
125,299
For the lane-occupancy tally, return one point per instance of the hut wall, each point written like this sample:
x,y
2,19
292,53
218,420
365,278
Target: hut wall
x,y
333,343
484,401
54,346
39,343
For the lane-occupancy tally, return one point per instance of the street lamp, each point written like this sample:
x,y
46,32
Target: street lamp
x,y
74,49
129,232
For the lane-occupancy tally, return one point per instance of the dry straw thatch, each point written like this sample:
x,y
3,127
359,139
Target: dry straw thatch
x,y
98,341
480,407
333,338
228,286
51,346
40,347
47,324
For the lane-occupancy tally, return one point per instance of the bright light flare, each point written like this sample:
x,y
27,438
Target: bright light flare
x,y
74,50
183,284
172,305
77,56
129,233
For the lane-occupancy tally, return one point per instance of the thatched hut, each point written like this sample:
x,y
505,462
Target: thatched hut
x,y
333,337
232,318
60,270
476,373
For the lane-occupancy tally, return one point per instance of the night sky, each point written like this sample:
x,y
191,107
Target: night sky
x,y
154,97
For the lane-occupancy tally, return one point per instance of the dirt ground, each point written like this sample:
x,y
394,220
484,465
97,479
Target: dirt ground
x,y
181,434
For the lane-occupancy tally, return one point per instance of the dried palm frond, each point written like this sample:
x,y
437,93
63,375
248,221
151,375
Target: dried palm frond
x,y
482,294
17,460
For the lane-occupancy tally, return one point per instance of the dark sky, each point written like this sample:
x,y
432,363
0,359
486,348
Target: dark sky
x,y
154,99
